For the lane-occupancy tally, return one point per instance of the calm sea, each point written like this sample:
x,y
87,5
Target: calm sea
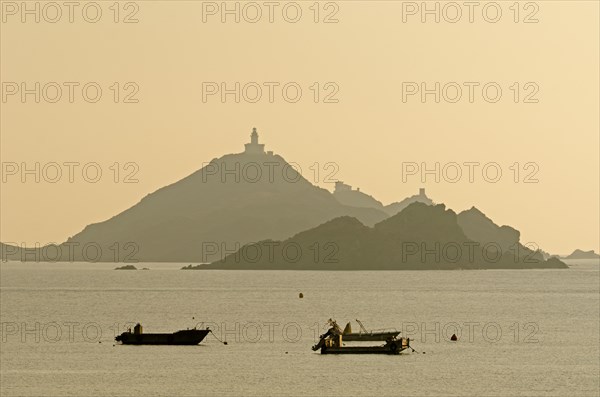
x,y
521,333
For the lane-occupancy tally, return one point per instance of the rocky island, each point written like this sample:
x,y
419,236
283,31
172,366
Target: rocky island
x,y
420,237
126,267
219,211
580,254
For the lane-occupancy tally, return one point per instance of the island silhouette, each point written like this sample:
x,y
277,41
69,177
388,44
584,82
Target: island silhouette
x,y
580,254
256,195
420,237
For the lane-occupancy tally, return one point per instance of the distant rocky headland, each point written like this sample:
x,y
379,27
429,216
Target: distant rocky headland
x,y
192,267
580,254
126,267
420,237
256,195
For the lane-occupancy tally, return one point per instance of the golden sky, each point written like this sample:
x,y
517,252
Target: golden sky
x,y
363,63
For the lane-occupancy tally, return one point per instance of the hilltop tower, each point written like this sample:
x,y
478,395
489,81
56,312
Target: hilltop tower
x,y
254,147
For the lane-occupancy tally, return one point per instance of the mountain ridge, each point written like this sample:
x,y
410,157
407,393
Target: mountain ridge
x,y
420,237
231,200
255,195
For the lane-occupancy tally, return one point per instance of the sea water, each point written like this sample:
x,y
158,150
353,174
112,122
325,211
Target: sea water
x,y
521,332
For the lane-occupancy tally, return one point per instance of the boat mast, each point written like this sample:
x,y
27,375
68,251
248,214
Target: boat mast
x,y
362,327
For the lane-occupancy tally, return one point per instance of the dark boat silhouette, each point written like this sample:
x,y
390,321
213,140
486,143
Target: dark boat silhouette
x,y
183,337
332,342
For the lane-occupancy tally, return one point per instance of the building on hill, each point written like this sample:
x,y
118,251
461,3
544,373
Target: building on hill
x,y
394,208
354,198
254,147
342,187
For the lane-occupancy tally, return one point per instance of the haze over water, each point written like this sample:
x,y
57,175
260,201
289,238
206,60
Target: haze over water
x,y
270,331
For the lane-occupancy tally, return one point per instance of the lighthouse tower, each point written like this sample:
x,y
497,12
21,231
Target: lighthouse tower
x,y
254,147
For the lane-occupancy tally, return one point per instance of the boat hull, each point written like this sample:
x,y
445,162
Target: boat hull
x,y
391,347
372,336
361,350
185,337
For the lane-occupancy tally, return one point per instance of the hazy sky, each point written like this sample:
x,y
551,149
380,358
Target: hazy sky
x,y
546,119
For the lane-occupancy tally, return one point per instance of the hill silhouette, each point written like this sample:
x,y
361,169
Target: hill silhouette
x,y
394,208
229,202
419,237
580,254
480,228
256,195
355,198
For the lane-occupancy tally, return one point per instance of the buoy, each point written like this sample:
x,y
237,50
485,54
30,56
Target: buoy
x,y
301,295
454,338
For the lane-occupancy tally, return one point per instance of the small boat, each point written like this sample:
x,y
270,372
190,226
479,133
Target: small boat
x,y
183,337
365,335
332,342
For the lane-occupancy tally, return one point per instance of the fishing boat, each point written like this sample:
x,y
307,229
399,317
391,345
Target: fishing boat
x,y
332,342
183,337
365,335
